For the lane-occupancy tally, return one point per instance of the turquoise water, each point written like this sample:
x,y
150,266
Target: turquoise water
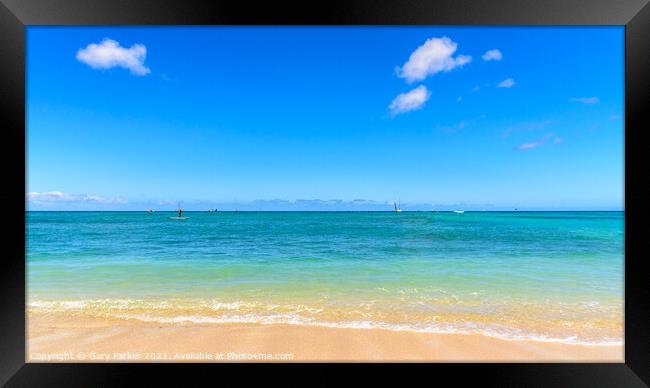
x,y
555,276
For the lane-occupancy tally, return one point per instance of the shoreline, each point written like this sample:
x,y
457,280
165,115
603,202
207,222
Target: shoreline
x,y
60,337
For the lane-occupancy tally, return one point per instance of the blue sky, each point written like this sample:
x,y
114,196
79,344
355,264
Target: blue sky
x,y
480,117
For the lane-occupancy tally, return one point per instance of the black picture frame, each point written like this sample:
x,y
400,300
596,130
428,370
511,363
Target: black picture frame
x,y
15,15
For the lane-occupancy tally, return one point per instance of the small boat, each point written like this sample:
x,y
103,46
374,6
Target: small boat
x,y
459,211
397,207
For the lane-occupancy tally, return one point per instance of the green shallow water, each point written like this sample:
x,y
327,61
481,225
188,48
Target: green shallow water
x,y
544,275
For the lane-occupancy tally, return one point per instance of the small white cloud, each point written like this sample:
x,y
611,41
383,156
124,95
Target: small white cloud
x,y
434,56
585,100
534,144
492,55
411,100
529,146
109,54
506,83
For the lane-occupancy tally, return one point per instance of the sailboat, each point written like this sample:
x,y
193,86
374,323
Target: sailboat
x,y
180,214
397,207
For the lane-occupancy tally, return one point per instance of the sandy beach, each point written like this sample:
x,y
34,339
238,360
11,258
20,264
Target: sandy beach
x,y
59,337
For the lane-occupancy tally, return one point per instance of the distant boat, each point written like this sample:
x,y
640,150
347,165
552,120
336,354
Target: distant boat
x,y
150,210
397,207
459,211
180,214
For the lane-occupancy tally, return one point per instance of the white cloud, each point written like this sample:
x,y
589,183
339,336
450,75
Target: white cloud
x,y
411,100
109,54
585,100
492,55
61,197
434,56
506,83
47,196
534,144
529,146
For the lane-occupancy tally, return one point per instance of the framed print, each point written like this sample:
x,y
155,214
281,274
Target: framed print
x,y
436,187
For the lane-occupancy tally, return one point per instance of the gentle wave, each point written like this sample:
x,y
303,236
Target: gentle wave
x,y
123,309
290,319
138,304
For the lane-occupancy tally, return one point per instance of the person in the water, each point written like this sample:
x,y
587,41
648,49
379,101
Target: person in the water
x,y
180,212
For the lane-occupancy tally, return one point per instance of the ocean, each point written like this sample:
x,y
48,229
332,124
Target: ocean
x,y
546,276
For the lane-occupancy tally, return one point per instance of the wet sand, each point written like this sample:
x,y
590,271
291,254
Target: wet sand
x,y
59,337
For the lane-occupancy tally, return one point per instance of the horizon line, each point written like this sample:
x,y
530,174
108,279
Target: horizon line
x,y
329,211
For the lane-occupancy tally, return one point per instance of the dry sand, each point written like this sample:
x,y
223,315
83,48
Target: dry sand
x,y
68,338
